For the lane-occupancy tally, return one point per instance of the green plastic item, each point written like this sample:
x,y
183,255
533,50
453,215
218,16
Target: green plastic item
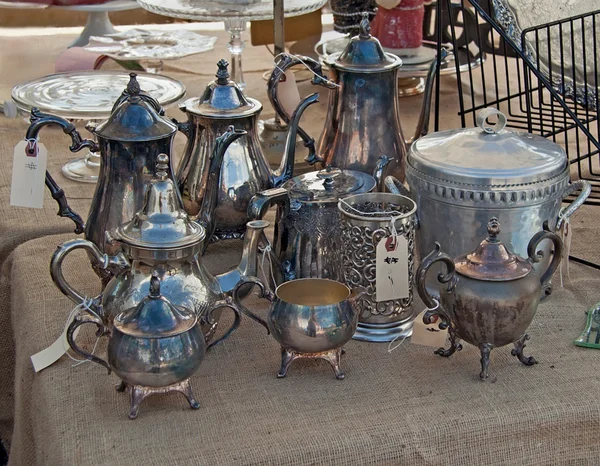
x,y
590,337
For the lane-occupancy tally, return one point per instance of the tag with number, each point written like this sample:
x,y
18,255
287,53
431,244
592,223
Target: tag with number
x,y
287,92
28,175
391,268
428,334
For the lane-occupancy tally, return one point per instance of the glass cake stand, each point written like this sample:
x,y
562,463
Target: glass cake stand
x,y
89,96
235,14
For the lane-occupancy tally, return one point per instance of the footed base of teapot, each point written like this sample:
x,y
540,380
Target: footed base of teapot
x,y
382,333
139,393
288,356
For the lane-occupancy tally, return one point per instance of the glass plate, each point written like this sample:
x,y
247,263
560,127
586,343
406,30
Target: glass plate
x,y
139,44
90,95
251,10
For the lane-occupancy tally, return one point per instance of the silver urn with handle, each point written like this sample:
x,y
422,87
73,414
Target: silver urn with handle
x,y
461,178
488,297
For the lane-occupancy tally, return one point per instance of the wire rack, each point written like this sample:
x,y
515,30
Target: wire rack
x,y
516,78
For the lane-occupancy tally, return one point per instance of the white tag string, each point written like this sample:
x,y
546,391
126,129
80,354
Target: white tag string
x,y
328,81
86,304
267,249
566,237
390,348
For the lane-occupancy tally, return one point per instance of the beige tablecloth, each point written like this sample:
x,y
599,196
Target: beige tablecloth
x,y
407,407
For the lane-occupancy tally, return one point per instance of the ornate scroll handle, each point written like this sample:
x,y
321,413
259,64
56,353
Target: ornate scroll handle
x,y
536,256
103,261
449,279
484,114
264,293
580,185
227,302
86,317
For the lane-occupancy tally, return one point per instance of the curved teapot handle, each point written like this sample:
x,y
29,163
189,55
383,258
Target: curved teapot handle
x,y
536,257
580,185
38,120
103,261
227,302
283,62
449,279
81,318
264,293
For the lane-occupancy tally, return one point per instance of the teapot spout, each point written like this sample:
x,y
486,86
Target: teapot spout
x,y
286,167
423,123
209,203
251,259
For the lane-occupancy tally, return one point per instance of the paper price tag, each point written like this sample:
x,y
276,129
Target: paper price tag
x,y
53,353
391,268
428,334
288,93
28,175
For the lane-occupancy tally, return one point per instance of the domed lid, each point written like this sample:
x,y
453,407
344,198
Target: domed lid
x,y
222,98
492,261
328,185
162,223
136,116
487,155
364,53
155,316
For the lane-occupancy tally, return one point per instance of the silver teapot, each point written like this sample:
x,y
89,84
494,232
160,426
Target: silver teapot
x,y
488,297
362,120
311,318
306,239
154,347
245,169
128,142
160,239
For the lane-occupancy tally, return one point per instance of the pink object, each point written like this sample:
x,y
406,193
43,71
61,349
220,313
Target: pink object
x,y
78,59
400,27
61,2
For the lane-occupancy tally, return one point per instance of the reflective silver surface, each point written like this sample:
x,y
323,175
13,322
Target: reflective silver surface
x,y
309,318
365,221
245,170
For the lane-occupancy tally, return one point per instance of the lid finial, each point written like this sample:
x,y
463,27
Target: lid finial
x,y
493,229
155,285
222,74
364,30
162,166
133,87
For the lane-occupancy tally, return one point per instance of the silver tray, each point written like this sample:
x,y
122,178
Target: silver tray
x,y
139,44
90,95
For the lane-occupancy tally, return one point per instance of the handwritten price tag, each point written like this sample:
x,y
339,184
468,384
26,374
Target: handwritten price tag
x,y
288,93
28,175
428,334
391,268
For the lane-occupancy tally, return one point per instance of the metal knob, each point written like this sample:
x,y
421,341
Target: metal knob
x,y
328,175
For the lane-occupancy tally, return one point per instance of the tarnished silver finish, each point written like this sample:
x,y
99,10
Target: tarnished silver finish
x,y
129,143
461,178
362,122
308,222
489,297
162,240
245,169
154,347
365,220
309,318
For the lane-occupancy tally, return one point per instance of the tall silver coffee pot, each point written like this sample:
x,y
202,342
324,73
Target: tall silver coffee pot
x,y
362,122
245,169
129,143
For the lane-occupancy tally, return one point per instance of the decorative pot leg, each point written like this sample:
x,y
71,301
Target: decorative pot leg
x,y
485,349
454,346
333,357
518,351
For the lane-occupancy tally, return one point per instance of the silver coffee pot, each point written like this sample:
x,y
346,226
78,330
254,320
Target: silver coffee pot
x,y
154,347
488,297
128,142
362,120
162,240
306,238
245,169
